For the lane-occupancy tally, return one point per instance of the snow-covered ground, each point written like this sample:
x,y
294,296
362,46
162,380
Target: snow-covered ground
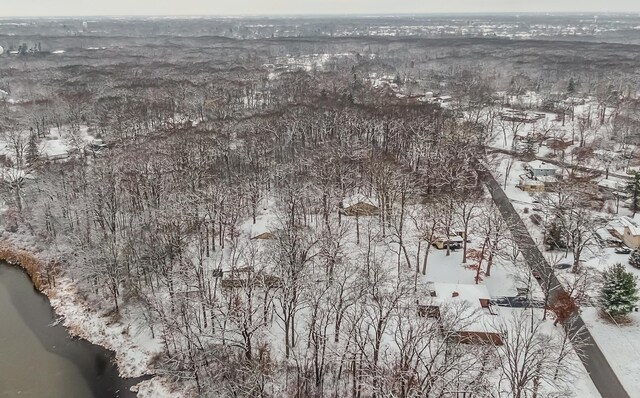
x,y
53,147
133,344
128,338
581,385
620,345
135,347
505,276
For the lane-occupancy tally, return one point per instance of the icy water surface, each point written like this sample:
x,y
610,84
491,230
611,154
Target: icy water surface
x,y
39,360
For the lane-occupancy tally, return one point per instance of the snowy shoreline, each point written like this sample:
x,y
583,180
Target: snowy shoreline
x,y
132,359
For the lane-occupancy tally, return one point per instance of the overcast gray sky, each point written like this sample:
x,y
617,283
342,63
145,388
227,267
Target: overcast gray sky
x,y
275,7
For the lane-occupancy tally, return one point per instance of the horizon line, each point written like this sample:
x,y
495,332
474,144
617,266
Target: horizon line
x,y
332,15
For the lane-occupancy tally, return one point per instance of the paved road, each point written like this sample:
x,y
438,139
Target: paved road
x,y
594,361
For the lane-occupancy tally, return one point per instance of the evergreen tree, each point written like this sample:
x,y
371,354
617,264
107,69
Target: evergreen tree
x,y
633,187
554,238
398,80
634,259
571,88
32,149
619,294
529,151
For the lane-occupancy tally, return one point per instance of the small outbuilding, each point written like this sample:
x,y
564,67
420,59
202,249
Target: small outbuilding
x,y
530,185
453,241
264,236
359,205
361,209
606,238
613,187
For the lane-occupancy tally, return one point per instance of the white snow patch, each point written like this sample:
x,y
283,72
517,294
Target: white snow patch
x,y
619,344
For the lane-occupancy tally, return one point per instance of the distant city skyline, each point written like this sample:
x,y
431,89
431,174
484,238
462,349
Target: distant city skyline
x,y
26,8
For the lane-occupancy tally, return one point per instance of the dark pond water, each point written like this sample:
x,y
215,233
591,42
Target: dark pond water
x,y
39,360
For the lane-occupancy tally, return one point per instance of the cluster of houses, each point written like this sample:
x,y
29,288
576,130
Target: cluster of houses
x,y
395,86
540,177
613,189
476,316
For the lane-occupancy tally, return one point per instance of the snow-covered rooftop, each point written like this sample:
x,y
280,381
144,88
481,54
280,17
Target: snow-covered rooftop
x,y
540,165
467,300
358,198
632,224
605,235
547,179
466,292
612,184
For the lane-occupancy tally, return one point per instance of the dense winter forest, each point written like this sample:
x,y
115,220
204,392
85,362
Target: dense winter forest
x,y
265,208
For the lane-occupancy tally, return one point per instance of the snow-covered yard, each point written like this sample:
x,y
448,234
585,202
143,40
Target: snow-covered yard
x,y
620,344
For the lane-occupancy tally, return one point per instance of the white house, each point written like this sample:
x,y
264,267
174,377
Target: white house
x,y
539,168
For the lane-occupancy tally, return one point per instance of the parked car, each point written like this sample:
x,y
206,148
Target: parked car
x,y
536,219
563,266
517,302
500,301
454,242
623,250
